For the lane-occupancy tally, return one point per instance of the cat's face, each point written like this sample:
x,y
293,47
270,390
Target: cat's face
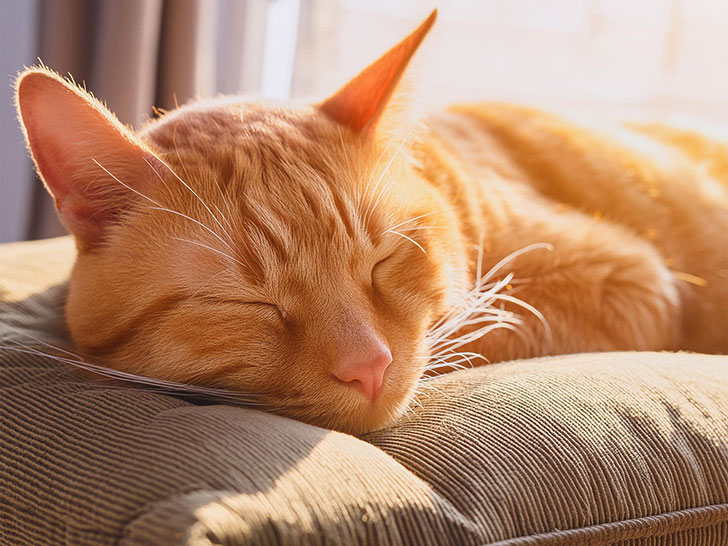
x,y
295,254
282,272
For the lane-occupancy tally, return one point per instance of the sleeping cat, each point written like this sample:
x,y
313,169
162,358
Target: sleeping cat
x,y
320,259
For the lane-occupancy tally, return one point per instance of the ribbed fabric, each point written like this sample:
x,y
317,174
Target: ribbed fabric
x,y
616,448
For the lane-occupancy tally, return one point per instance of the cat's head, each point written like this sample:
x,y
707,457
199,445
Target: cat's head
x,y
298,254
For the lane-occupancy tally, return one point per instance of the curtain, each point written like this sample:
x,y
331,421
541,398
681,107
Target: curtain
x,y
133,55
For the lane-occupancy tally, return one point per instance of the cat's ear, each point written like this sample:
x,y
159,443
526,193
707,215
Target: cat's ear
x,y
92,165
360,103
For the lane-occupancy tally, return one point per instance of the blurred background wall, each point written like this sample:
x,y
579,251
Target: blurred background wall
x,y
646,58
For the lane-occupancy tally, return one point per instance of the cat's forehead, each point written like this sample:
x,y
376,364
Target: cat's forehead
x,y
287,177
267,152
236,126
249,144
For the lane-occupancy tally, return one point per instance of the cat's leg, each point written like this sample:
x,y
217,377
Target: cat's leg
x,y
598,288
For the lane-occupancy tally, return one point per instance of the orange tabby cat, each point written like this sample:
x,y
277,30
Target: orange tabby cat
x,y
321,258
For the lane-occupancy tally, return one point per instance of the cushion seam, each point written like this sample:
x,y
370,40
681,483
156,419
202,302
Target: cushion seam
x,y
614,530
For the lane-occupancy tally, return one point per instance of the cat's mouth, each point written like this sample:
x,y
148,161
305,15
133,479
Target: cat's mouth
x,y
366,417
357,412
341,406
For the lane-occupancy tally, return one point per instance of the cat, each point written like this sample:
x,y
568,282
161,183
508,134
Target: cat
x,y
320,259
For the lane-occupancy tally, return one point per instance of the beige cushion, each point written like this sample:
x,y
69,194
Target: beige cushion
x,y
616,448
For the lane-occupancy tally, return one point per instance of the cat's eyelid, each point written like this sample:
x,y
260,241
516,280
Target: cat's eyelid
x,y
253,302
267,304
280,311
236,301
379,262
386,257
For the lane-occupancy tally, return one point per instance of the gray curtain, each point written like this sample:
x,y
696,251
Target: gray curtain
x,y
136,54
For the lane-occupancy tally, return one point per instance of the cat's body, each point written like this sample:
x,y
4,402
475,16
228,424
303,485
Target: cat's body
x,y
317,257
639,228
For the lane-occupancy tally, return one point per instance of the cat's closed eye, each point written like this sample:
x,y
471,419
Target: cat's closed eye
x,y
268,307
262,305
378,268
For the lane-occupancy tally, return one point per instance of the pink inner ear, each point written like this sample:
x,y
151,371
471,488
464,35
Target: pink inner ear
x,y
361,101
68,131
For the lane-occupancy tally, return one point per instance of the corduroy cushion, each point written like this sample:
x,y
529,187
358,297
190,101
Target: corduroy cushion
x,y
617,448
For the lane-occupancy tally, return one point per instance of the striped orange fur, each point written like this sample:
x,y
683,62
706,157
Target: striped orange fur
x,y
252,247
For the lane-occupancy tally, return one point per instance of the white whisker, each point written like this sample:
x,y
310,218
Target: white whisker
x,y
210,279
376,192
417,228
444,354
426,383
409,221
477,299
479,314
161,179
167,387
409,239
211,249
223,241
376,168
186,185
140,194
162,208
37,340
528,307
536,246
457,365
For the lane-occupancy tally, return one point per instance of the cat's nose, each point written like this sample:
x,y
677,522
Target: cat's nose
x,y
363,368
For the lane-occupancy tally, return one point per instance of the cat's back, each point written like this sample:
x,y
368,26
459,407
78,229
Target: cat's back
x,y
651,178
548,150
664,184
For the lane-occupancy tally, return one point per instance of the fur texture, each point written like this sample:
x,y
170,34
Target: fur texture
x,y
252,247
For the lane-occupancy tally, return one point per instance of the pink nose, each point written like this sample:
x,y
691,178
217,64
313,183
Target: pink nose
x,y
364,369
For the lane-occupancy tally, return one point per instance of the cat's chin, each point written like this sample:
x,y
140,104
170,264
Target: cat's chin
x,y
369,417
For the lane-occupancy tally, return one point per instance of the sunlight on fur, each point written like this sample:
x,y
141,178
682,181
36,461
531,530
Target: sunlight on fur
x,y
325,261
